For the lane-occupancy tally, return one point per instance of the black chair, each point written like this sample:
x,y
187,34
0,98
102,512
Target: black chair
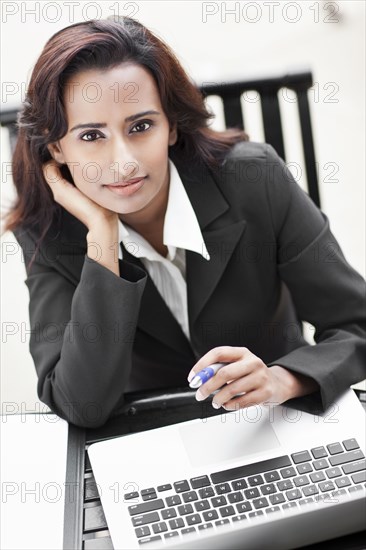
x,y
230,94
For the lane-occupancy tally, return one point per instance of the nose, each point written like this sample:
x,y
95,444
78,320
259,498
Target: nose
x,y
123,164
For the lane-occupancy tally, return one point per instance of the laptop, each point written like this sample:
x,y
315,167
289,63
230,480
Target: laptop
x,y
252,478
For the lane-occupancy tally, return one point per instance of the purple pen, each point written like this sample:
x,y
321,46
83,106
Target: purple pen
x,y
205,374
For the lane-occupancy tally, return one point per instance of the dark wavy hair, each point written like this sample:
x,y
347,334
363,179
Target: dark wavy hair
x,y
101,44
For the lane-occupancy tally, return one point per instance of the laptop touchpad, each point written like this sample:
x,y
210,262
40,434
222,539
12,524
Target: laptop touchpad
x,y
227,437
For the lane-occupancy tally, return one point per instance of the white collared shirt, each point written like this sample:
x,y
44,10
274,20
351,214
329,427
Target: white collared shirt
x,y
181,232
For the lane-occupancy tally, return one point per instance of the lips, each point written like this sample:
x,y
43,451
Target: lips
x,y
125,183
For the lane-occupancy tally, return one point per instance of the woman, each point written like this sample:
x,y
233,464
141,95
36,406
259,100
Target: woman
x,y
155,246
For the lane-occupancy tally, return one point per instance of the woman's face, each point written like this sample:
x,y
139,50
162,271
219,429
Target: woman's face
x,y
112,139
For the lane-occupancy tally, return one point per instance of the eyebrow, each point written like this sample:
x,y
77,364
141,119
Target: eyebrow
x,y
130,118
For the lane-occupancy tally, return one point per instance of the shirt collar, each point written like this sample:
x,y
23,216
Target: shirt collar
x,y
181,227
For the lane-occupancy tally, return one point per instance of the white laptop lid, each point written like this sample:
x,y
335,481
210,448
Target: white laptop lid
x,y
204,446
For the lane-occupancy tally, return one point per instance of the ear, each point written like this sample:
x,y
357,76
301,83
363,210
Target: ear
x,y
56,152
173,134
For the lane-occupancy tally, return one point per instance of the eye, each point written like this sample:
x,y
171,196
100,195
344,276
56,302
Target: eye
x,y
140,124
88,134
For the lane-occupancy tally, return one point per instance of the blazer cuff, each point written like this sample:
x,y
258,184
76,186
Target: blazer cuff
x,y
128,272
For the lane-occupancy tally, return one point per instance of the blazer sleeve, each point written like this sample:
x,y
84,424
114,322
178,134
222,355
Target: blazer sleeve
x,y
81,337
327,292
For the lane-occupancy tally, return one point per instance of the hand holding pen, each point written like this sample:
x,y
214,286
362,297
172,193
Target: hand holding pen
x,y
244,379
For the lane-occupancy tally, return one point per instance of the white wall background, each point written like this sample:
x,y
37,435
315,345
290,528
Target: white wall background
x,y
255,39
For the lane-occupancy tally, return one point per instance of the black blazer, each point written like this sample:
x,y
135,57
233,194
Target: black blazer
x,y
274,262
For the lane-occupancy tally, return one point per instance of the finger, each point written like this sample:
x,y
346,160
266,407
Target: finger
x,y
255,397
224,376
228,393
224,354
51,172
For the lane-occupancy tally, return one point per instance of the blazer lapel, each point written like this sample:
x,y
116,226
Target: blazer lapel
x,y
155,317
209,204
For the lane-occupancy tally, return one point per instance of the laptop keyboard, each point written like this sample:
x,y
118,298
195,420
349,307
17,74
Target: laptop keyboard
x,y
233,495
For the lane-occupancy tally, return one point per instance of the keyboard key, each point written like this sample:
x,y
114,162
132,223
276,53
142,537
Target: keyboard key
x,y
260,503
94,519
160,527
165,487
220,522
210,514
218,501
343,481
227,511
360,477
293,494
190,496
206,492
150,539
176,523
284,485
288,472
145,518
256,514
321,464
304,468
188,530
204,526
142,531
301,480
174,500
181,486
147,491
335,448
278,498
129,496
239,484
251,493
353,467
239,518
222,488
333,472
343,458
235,497
168,513
308,500
272,509
193,519
171,534
199,482
326,486
272,476
268,489
289,505
350,444
303,456
251,469
310,490
319,452
150,496
339,492
185,509
317,476
202,505
255,480
355,488
243,507
146,507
